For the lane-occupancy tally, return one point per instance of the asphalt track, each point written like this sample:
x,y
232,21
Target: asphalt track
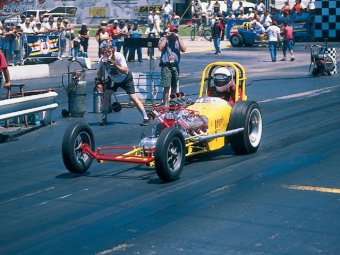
x,y
284,199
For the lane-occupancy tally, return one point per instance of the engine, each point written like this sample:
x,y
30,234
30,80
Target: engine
x,y
190,122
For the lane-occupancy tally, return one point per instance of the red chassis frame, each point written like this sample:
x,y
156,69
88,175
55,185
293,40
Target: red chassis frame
x,y
135,153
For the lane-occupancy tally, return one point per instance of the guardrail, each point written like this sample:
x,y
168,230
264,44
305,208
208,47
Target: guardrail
x,y
21,106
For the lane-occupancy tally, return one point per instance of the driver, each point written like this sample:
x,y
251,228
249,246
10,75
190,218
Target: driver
x,y
224,85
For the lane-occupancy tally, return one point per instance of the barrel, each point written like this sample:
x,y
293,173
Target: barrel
x,y
77,98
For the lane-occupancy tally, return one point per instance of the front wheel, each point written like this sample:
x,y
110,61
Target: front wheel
x,y
75,136
193,34
247,115
236,40
116,107
170,154
207,34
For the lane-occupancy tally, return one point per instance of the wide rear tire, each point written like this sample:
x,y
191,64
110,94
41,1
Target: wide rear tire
x,y
76,135
170,154
246,114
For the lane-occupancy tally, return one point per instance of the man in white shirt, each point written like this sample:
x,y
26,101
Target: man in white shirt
x,y
26,28
113,69
311,7
151,18
267,20
273,33
167,11
259,6
50,25
157,21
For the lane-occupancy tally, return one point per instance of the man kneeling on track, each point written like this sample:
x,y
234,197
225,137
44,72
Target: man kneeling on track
x,y
112,66
224,85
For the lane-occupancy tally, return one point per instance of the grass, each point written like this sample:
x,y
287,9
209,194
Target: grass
x,y
184,30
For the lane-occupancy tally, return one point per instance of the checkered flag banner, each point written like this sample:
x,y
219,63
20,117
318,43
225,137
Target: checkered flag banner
x,y
327,20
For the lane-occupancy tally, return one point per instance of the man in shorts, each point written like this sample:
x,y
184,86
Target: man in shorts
x,y
113,69
171,46
287,32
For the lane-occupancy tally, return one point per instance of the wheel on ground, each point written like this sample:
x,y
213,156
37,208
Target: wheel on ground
x,y
116,107
207,34
170,154
193,34
329,65
247,115
75,136
236,40
64,113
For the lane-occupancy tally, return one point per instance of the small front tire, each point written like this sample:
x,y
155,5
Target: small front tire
x,y
75,136
170,154
116,107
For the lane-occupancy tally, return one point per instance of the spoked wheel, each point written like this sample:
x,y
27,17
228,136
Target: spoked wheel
x,y
207,34
246,114
329,65
193,34
170,154
116,107
75,136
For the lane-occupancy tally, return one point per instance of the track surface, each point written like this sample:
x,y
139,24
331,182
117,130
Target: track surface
x,y
284,199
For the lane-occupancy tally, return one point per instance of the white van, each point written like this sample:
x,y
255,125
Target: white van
x,y
16,19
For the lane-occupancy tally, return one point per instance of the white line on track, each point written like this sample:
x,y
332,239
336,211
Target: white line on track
x,y
310,93
28,195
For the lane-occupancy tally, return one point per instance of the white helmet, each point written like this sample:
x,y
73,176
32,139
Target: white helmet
x,y
222,79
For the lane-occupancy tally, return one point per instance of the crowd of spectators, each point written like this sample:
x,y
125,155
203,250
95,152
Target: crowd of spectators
x,y
158,24
13,38
261,13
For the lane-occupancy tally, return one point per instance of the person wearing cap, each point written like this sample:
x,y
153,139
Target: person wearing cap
x,y
113,32
273,33
166,11
102,36
157,21
112,68
171,46
176,20
123,32
217,34
39,29
135,32
151,18
83,36
151,32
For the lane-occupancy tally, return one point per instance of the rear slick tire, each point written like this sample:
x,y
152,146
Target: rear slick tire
x,y
247,115
75,136
170,154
